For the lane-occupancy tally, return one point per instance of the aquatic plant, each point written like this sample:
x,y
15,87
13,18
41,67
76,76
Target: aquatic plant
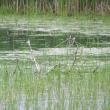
x,y
55,7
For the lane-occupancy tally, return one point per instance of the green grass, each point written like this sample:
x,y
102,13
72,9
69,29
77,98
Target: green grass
x,y
58,19
72,89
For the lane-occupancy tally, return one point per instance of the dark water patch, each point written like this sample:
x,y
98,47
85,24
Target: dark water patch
x,y
16,40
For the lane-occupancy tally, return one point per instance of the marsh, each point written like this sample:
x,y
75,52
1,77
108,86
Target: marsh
x,y
78,82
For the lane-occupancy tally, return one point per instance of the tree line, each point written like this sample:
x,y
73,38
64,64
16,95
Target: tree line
x,y
56,7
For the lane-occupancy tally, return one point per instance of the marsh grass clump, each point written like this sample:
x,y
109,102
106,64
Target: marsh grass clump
x,y
75,87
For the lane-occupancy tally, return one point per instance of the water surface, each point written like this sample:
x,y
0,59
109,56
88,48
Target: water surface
x,y
74,74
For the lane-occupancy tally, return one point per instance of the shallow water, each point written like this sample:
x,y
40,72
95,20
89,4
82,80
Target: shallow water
x,y
74,76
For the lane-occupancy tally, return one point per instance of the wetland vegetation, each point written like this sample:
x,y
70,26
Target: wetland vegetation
x,y
55,7
72,51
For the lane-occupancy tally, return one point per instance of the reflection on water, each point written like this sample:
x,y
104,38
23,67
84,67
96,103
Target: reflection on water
x,y
78,73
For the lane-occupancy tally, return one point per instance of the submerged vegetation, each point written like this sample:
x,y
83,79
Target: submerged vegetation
x,y
55,7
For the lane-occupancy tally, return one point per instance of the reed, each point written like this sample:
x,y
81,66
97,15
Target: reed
x,y
71,90
55,7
